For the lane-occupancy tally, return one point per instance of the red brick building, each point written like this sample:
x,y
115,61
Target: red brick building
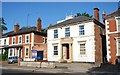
x,y
22,41
112,22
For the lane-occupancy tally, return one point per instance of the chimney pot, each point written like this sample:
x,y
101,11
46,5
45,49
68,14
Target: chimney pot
x,y
96,13
39,27
16,27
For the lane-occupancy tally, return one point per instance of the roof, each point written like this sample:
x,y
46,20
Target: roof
x,y
25,30
71,21
76,20
115,13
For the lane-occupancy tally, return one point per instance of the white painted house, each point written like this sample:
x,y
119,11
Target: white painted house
x,y
74,40
4,41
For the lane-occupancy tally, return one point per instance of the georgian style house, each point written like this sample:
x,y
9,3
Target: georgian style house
x,y
23,42
76,39
112,23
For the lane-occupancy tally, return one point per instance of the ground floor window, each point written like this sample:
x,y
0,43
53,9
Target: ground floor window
x,y
26,51
55,50
118,48
82,49
11,52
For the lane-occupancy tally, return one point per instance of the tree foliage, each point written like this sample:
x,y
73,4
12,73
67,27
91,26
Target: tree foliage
x,y
83,14
2,24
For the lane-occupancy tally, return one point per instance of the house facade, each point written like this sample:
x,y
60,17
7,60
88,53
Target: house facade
x,y
112,22
76,39
22,41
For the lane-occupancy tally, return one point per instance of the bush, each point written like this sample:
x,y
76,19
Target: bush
x,y
5,56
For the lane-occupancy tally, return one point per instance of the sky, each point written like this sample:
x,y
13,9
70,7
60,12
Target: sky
x,y
27,13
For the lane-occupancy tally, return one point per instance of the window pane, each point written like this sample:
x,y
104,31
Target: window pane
x,y
55,33
81,30
67,32
55,50
26,51
82,49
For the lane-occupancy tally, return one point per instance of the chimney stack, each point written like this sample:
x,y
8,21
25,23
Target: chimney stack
x,y
96,13
39,27
16,27
103,16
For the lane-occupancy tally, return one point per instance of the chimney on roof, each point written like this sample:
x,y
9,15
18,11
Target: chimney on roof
x,y
96,13
103,16
39,25
16,27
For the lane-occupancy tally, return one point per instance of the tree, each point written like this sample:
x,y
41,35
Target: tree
x,y
83,14
2,24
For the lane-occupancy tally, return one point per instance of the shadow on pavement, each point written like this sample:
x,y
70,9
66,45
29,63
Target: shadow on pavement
x,y
105,69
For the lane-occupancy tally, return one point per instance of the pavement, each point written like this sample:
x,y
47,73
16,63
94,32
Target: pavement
x,y
67,68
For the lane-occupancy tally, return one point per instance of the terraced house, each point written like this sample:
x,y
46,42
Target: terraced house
x,y
112,23
23,42
76,39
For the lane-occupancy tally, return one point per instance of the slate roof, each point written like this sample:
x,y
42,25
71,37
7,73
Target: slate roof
x,y
70,21
76,20
115,13
25,31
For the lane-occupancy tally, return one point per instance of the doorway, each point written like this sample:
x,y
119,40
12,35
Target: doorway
x,y
65,51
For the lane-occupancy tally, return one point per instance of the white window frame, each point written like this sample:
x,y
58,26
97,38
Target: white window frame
x,y
82,42
81,30
5,42
118,25
67,32
117,54
56,34
55,50
11,51
19,39
27,47
28,38
13,41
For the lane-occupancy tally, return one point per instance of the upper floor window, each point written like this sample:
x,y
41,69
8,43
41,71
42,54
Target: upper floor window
x,y
20,39
119,24
4,41
81,30
56,33
67,32
13,40
55,50
82,49
27,38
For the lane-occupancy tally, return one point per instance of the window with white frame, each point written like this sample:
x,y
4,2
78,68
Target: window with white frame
x,y
81,30
20,39
118,46
26,51
13,40
119,25
67,32
82,48
55,50
4,41
27,38
11,51
0,43
56,33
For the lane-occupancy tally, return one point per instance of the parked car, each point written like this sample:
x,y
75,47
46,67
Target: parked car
x,y
13,59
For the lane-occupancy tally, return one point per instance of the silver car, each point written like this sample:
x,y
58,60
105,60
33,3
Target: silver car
x,y
13,59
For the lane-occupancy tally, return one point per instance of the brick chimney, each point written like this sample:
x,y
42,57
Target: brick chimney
x,y
96,13
16,27
39,27
103,16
